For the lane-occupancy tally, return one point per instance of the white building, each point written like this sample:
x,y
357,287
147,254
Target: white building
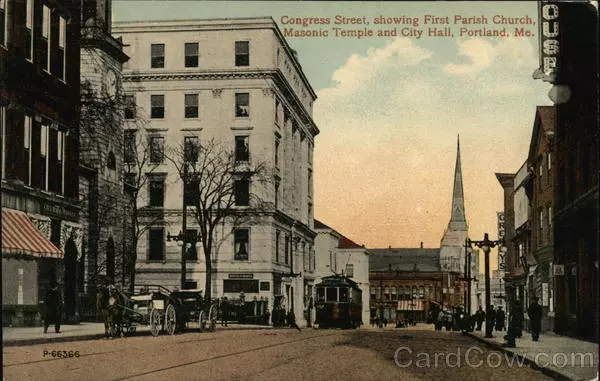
x,y
337,254
237,81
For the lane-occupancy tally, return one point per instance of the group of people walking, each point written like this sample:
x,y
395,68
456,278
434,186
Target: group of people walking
x,y
496,318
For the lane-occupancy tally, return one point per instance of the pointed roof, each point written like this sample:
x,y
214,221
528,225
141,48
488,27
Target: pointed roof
x,y
458,219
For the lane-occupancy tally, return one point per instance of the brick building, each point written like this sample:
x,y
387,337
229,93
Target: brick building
x,y
39,99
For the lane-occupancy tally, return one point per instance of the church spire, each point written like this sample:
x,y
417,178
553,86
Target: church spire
x,y
458,221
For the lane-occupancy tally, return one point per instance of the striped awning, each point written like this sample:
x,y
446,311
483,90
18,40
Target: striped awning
x,y
20,236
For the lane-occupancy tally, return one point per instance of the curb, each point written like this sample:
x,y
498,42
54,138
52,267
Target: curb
x,y
554,373
95,336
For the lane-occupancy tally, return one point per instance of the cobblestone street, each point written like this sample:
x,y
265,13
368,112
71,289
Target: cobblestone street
x,y
365,354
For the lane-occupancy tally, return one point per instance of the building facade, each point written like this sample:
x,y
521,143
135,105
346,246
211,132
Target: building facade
x,y
39,99
238,82
337,254
101,186
573,70
540,189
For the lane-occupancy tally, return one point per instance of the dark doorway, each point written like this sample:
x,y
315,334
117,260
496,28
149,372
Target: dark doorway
x,y
70,279
110,259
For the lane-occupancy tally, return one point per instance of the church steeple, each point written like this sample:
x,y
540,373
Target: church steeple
x,y
458,220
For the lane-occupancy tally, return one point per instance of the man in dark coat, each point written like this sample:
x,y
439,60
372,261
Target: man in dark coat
x,y
224,311
53,304
479,318
500,319
535,318
515,324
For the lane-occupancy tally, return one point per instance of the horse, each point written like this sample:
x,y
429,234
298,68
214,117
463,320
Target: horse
x,y
110,302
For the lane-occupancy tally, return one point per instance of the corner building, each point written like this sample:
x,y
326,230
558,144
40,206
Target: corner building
x,y
239,82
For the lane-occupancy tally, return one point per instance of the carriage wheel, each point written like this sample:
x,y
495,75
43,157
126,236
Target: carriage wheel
x,y
201,321
155,325
170,320
211,321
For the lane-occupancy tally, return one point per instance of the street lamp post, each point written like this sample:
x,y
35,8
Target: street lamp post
x,y
486,245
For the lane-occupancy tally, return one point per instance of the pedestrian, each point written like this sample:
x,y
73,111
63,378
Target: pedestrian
x,y
515,324
224,311
385,322
490,319
500,319
267,317
439,323
479,318
535,318
53,304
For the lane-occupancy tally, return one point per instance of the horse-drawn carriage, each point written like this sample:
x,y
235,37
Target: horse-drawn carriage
x,y
161,309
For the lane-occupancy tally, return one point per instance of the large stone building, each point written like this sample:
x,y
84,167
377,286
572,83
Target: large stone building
x,y
236,81
102,194
39,99
337,254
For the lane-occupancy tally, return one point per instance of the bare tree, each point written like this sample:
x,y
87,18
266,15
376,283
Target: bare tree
x,y
217,185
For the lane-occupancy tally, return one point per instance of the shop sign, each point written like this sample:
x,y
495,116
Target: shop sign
x,y
56,210
545,294
241,276
549,45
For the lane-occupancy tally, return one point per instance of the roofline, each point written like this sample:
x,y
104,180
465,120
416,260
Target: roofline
x,y
121,24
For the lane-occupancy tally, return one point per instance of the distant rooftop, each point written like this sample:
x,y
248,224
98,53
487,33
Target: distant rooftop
x,y
404,259
344,242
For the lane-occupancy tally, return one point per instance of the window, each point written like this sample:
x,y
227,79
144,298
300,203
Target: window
x,y
156,244
191,105
242,148
287,249
129,110
157,56
350,271
191,54
304,257
191,146
62,43
309,182
157,149
541,228
26,150
45,43
550,219
3,137
242,53
60,165
241,239
157,192
277,193
242,105
541,175
191,237
277,153
343,294
277,111
549,167
129,149
29,31
43,182
242,192
111,162
331,294
310,153
3,22
277,235
190,192
157,106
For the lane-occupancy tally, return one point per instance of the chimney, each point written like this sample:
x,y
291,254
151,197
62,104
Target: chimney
x,y
421,244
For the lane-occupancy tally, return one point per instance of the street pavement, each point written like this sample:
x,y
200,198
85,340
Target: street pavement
x,y
416,353
559,356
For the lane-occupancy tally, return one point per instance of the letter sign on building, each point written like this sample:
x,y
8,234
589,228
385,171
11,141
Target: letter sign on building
x,y
549,45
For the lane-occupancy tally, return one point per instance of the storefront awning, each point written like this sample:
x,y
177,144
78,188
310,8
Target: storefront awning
x,y
20,236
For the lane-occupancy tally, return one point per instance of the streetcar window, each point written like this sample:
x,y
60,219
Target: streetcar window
x,y
320,294
332,294
343,294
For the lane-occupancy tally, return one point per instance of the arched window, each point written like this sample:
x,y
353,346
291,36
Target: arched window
x,y
111,162
110,259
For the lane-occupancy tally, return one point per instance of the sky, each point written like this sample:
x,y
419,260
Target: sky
x,y
390,110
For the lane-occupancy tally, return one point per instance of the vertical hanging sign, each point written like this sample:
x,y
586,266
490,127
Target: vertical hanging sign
x,y
548,39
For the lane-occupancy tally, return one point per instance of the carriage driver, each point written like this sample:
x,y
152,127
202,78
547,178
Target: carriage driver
x,y
102,305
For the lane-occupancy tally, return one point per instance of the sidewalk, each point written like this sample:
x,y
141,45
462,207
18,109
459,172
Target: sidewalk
x,y
560,357
83,331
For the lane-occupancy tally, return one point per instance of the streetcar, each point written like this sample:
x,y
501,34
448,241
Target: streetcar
x,y
339,303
